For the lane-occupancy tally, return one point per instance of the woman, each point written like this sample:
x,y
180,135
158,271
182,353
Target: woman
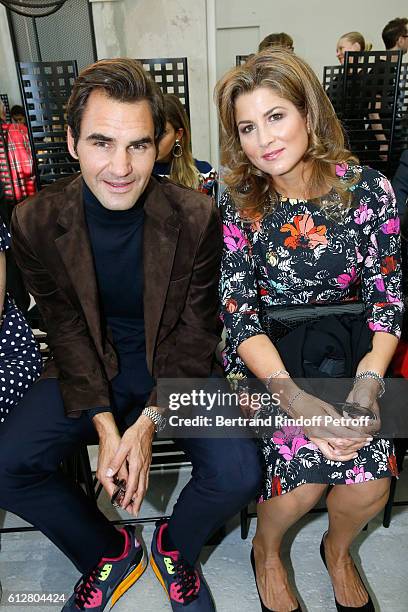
x,y
20,358
305,224
352,41
175,158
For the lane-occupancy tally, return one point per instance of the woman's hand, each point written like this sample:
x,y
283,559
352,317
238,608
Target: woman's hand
x,y
338,441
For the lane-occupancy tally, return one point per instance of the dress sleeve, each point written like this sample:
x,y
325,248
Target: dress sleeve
x,y
381,277
238,284
4,237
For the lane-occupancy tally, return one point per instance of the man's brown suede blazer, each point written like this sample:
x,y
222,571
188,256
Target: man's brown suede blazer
x,y
182,245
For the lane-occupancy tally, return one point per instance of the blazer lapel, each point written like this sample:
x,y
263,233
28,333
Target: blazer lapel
x,y
160,237
75,251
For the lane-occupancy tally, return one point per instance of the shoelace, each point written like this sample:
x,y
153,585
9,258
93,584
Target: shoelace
x,y
85,587
186,581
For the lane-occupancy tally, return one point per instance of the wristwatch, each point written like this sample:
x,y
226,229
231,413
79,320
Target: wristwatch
x,y
154,415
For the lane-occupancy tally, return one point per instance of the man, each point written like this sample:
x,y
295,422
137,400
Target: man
x,y
124,269
395,37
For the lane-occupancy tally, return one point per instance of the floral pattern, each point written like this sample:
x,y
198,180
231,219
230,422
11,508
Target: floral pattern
x,y
298,254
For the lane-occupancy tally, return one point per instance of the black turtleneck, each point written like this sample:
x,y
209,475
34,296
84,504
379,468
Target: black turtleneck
x,y
117,244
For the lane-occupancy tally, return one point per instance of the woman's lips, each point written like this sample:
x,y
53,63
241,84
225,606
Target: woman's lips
x,y
272,155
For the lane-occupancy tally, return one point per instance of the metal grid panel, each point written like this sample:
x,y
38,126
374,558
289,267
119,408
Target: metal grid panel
x,y
333,84
171,74
46,87
370,87
5,100
401,120
66,34
241,59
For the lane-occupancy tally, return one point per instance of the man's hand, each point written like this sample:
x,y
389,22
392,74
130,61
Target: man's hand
x,y
135,451
109,441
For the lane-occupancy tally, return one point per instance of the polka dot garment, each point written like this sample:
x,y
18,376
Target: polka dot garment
x,y
20,358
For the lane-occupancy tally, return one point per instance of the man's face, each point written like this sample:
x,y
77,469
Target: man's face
x,y
115,149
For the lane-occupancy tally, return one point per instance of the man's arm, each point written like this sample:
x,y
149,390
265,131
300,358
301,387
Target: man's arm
x,y
82,380
191,345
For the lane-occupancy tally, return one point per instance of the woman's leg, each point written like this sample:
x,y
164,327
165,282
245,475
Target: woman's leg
x,y
275,517
350,507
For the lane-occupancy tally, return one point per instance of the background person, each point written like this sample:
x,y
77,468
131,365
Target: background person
x,y
20,358
18,115
175,158
351,41
277,39
303,224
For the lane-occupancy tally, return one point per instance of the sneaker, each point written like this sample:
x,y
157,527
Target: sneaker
x,y
110,579
185,585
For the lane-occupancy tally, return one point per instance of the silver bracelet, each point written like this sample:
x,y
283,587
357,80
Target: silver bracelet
x,y
293,400
374,376
275,375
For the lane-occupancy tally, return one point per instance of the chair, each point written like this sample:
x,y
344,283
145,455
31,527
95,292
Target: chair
x,y
5,100
171,74
45,88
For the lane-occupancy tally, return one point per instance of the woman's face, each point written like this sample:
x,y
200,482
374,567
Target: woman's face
x,y
272,132
343,45
167,142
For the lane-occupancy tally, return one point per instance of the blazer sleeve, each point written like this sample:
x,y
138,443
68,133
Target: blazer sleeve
x,y
191,347
82,380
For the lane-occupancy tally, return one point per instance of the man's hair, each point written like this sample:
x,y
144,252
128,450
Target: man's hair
x,y
291,78
276,39
121,79
393,30
2,111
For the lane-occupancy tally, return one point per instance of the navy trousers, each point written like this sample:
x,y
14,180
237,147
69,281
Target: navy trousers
x,y
37,436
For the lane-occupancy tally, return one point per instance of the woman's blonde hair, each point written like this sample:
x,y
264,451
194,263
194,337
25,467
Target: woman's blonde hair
x,y
357,37
182,169
292,79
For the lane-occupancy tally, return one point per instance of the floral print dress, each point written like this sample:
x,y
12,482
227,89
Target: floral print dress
x,y
299,254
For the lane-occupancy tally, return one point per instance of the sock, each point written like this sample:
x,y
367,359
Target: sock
x,y
116,546
167,542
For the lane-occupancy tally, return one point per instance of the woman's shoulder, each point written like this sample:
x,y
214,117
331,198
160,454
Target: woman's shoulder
x,y
365,179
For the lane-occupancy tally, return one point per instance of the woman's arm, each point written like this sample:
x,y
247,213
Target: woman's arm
x,y
379,358
2,280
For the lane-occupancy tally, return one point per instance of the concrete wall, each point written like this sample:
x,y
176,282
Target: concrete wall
x,y
8,73
161,28
315,25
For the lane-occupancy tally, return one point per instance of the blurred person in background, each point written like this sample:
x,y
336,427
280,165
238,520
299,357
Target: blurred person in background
x,y
18,115
277,39
175,158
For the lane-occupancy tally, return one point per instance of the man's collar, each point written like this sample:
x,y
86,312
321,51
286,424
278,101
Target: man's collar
x,y
157,204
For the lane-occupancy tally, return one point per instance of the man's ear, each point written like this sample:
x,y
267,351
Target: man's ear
x,y
71,144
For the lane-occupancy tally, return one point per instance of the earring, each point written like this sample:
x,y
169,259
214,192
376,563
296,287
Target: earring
x,y
177,149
